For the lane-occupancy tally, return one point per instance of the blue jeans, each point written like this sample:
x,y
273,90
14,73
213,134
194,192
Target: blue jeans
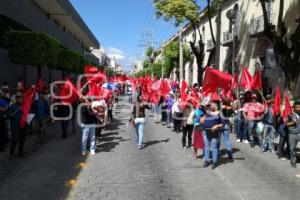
x,y
88,132
139,130
169,117
250,126
213,143
225,134
268,137
239,128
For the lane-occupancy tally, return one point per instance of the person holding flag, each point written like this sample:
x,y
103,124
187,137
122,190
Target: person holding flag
x,y
17,131
253,113
269,123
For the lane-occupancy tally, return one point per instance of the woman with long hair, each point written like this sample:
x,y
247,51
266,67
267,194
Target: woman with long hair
x,y
138,120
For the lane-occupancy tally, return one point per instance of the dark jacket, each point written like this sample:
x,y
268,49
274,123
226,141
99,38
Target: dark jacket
x,y
139,110
87,115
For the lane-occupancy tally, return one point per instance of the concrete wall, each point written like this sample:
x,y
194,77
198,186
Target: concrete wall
x,y
10,72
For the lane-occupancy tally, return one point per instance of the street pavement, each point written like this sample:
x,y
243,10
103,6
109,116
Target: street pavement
x,y
163,170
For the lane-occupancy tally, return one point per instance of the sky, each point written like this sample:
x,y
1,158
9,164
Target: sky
x,y
119,26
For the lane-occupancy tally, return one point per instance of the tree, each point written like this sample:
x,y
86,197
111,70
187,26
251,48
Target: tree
x,y
32,48
68,61
187,11
287,57
83,63
171,56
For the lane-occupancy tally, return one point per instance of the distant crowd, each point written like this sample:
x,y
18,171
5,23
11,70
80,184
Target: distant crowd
x,y
204,124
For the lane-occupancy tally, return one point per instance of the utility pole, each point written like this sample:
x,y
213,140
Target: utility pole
x,y
147,41
180,56
162,59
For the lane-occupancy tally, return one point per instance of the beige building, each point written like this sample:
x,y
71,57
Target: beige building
x,y
252,47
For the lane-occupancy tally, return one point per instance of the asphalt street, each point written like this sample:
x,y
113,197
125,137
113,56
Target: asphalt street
x,y
163,170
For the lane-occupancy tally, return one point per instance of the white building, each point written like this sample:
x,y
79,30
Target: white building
x,y
252,48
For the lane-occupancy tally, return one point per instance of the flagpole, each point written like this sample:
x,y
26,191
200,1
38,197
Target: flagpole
x,y
261,95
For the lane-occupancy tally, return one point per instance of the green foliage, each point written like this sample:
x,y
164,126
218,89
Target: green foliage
x,y
32,48
146,64
68,60
171,56
149,51
143,72
83,63
110,71
178,11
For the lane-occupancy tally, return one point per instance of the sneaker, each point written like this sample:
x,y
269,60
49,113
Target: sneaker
x,y
246,142
214,166
282,158
273,151
83,153
93,152
238,140
140,147
293,164
184,147
206,164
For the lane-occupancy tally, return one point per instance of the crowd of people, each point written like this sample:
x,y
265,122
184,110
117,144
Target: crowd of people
x,y
45,110
203,125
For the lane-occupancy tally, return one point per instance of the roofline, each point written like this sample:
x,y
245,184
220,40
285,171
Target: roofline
x,y
67,6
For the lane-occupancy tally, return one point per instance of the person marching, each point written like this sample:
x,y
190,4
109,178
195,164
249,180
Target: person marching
x,y
198,129
212,126
138,119
187,124
227,112
18,133
88,126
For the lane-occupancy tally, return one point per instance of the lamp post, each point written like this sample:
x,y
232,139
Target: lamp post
x,y
162,59
231,15
89,53
180,56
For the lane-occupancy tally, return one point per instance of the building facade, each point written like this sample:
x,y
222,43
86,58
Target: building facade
x,y
58,18
252,48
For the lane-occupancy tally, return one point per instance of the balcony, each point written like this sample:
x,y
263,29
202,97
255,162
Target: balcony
x,y
257,24
227,38
210,45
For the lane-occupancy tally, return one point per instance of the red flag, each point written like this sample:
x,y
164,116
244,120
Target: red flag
x,y
165,88
208,89
215,97
234,82
287,107
99,77
69,94
256,81
277,102
184,100
216,79
155,97
105,93
246,79
94,90
90,70
41,85
161,86
29,97
183,87
194,98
